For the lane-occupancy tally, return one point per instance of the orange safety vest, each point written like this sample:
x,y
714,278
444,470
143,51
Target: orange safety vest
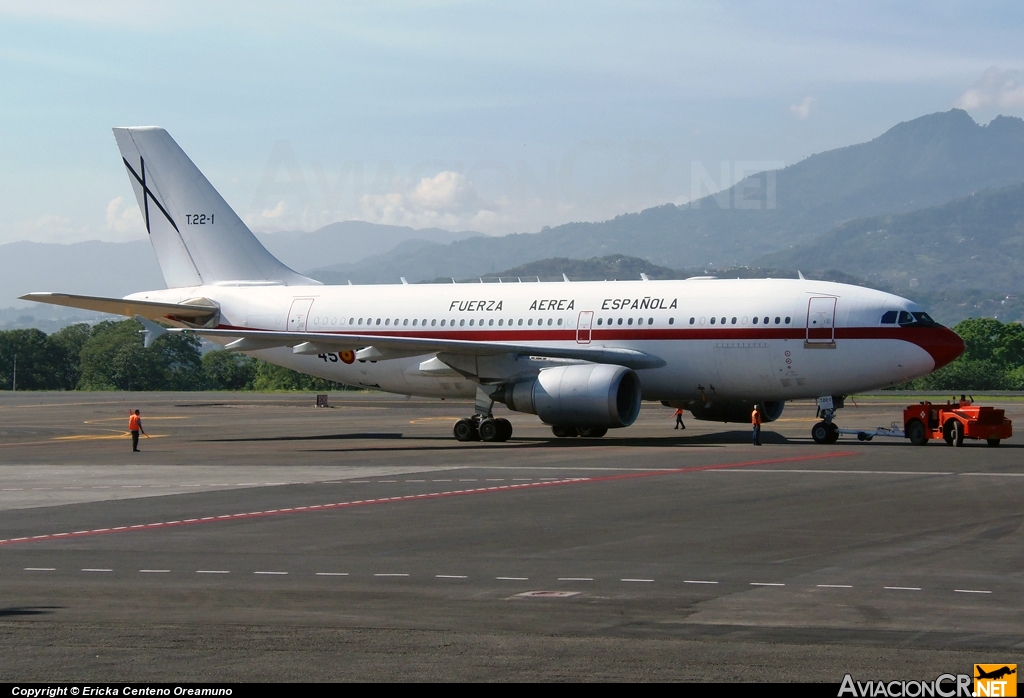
x,y
134,423
755,417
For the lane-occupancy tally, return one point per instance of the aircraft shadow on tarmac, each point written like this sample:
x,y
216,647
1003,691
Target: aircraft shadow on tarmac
x,y
13,611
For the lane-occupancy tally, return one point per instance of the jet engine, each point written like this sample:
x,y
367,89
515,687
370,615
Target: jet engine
x,y
584,395
734,410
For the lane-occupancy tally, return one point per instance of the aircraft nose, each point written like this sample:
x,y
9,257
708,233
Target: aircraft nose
x,y
944,345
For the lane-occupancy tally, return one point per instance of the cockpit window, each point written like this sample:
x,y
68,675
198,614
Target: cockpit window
x,y
905,319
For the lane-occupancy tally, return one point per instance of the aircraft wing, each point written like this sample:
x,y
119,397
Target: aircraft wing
x,y
151,310
388,347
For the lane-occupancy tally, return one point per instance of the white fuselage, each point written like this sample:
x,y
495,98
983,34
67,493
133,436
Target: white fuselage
x,y
763,339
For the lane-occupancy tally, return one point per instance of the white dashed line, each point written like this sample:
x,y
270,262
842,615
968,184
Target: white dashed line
x,y
154,571
697,581
332,574
390,574
451,576
359,482
513,579
575,579
835,586
213,571
379,481
96,569
270,573
972,591
40,569
636,580
904,588
767,584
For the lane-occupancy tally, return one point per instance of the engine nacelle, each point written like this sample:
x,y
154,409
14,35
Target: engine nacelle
x,y
735,410
585,395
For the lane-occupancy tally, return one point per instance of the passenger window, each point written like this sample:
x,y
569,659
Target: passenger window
x,y
530,322
620,321
733,321
777,320
442,323
559,322
712,321
755,321
787,320
405,322
549,322
414,321
462,323
600,320
692,320
766,320
520,322
360,321
650,321
889,317
352,320
387,321
470,323
630,321
723,321
378,321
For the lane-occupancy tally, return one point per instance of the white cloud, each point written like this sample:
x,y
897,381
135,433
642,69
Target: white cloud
x,y
446,200
997,87
123,219
275,212
803,109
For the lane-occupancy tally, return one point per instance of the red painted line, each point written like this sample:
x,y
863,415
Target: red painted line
x,y
411,497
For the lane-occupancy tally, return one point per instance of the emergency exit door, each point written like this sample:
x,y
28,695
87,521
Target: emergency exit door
x,y
298,314
821,321
584,326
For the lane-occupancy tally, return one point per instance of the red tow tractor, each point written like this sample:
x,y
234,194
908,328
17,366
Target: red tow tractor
x,y
952,422
955,422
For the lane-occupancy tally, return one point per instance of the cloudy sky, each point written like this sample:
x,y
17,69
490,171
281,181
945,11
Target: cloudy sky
x,y
499,117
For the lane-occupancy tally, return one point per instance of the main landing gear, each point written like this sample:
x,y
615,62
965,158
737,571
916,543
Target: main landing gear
x,y
825,431
482,426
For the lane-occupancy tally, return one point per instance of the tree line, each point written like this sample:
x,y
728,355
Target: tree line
x,y
110,356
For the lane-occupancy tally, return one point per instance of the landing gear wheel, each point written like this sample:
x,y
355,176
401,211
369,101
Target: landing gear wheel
x,y
592,432
504,429
833,434
564,432
821,433
465,430
489,430
993,442
916,433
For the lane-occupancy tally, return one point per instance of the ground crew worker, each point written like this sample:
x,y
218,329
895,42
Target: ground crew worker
x,y
679,418
755,421
135,426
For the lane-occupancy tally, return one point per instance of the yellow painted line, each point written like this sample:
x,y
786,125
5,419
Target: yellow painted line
x,y
100,437
121,419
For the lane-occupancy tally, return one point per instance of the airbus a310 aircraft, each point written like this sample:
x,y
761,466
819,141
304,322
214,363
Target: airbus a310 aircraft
x,y
581,356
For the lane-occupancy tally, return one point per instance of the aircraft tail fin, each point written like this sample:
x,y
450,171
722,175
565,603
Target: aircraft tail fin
x,y
197,237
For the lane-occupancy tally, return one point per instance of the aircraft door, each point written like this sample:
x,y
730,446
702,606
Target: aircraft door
x,y
584,326
298,314
821,321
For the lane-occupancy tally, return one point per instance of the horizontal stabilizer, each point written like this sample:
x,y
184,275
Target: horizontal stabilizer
x,y
198,313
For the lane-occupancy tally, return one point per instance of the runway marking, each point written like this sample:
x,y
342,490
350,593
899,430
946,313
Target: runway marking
x,y
332,574
270,573
767,584
836,586
544,483
697,581
213,571
904,588
636,580
154,571
96,569
972,591
451,576
846,472
575,579
390,574
996,474
513,579
40,569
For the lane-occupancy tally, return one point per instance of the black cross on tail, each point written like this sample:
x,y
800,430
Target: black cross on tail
x,y
147,194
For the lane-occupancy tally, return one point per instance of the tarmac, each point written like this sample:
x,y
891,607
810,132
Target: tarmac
x,y
258,538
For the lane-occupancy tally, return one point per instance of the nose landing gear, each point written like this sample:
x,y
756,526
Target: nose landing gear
x,y
825,431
